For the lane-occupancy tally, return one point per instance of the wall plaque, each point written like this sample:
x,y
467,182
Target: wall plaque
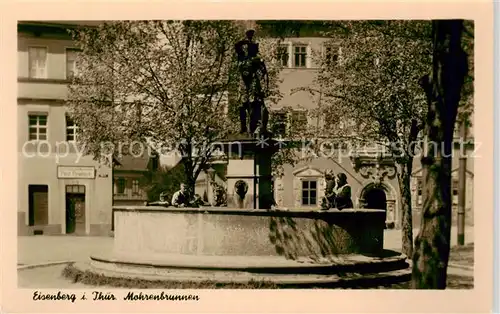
x,y
65,172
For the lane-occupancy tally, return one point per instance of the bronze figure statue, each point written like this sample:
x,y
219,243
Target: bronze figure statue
x,y
254,75
337,192
328,200
342,192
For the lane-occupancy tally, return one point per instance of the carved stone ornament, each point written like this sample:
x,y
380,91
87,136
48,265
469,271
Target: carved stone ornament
x,y
377,172
373,168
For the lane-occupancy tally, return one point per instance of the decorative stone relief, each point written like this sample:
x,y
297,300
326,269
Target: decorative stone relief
x,y
375,168
377,172
308,171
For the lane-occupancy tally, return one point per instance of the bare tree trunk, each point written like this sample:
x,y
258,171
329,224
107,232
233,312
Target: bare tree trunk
x,y
443,89
189,174
404,177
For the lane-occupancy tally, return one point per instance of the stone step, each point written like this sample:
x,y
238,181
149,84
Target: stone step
x,y
387,261
87,273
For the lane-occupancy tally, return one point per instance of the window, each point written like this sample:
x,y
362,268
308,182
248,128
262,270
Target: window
x,y
71,130
279,123
299,120
71,66
75,189
283,55
455,192
37,58
300,54
419,191
309,192
331,55
121,185
135,187
37,127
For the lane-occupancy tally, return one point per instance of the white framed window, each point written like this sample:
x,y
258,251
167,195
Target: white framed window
x,y
309,192
299,120
455,192
279,122
37,59
419,191
331,55
284,55
71,64
135,187
300,56
71,130
37,127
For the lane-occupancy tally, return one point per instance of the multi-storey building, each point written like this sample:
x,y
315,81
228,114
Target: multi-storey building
x,y
60,191
302,185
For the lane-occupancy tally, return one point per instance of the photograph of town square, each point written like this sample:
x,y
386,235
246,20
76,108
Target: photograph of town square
x,y
249,154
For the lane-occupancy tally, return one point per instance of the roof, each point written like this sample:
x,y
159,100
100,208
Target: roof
x,y
131,163
61,23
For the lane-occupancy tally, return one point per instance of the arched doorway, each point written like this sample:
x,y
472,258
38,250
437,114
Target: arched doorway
x,y
375,198
380,196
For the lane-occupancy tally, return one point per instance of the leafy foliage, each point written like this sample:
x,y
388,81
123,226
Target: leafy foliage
x,y
369,84
164,180
164,84
372,88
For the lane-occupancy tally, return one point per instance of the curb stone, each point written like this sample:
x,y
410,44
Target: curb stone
x,y
47,264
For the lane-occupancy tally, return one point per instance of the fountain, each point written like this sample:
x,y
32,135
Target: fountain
x,y
291,248
249,241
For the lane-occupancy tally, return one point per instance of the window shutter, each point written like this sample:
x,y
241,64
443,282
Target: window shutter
x,y
308,56
42,65
37,62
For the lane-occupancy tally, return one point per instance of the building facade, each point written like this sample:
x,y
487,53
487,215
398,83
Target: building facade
x,y
372,179
60,191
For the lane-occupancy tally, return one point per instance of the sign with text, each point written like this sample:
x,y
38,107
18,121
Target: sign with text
x,y
75,172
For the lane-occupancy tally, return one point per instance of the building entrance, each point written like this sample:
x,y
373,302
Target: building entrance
x,y
75,209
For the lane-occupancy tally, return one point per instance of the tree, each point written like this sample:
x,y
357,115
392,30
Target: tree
x,y
164,180
370,93
159,84
444,88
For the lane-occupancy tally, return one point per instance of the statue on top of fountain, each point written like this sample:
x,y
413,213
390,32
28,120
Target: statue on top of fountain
x,y
256,85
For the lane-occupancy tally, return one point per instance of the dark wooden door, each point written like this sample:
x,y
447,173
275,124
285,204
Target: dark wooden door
x,y
38,205
75,214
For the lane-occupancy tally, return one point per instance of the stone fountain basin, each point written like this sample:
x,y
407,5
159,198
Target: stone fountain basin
x,y
291,248
293,234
